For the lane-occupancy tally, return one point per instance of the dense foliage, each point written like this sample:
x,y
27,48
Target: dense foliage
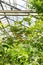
x,y
37,5
22,45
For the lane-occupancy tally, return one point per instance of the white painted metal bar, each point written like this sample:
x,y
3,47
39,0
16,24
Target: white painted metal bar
x,y
15,11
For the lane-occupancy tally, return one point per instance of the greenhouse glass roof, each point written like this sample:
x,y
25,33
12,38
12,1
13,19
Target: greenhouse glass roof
x,y
12,5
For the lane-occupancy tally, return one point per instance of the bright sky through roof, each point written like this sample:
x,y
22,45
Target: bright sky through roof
x,y
20,2
6,7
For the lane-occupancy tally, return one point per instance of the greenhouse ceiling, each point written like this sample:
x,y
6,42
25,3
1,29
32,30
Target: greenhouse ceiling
x,y
12,5
11,10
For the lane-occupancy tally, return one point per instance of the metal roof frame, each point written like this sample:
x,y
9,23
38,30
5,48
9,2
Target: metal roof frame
x,y
17,12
